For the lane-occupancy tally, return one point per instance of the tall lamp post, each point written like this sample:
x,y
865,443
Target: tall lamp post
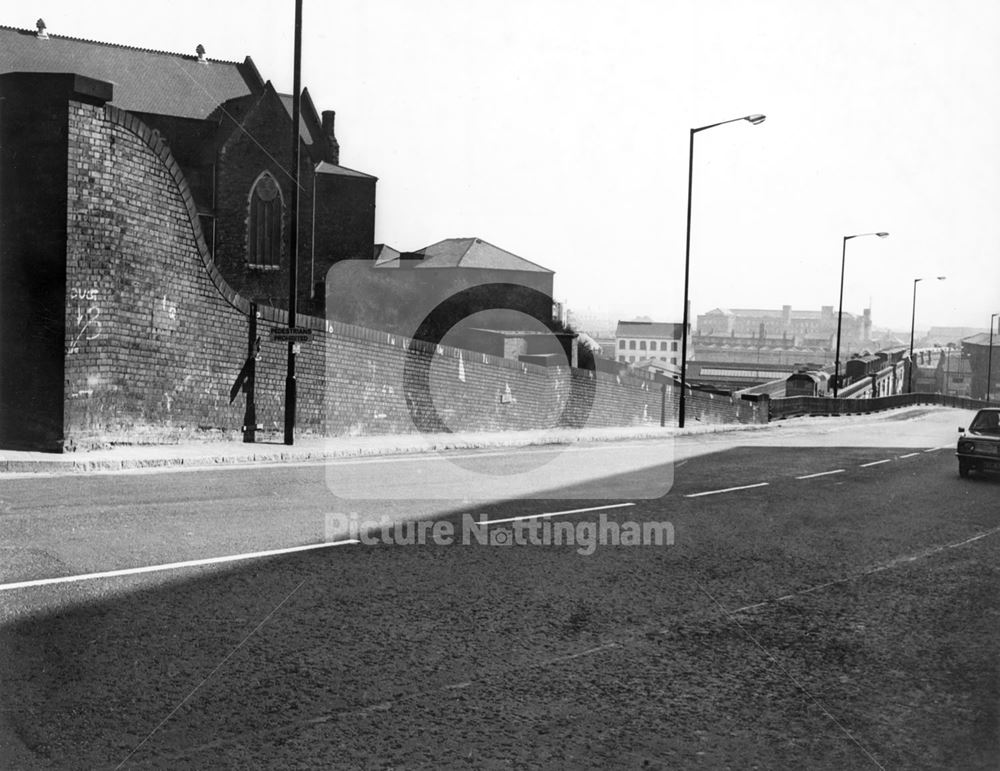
x,y
913,321
293,228
756,120
840,311
989,362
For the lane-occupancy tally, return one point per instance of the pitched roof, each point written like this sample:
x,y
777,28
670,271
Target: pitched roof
x,y
983,339
668,330
343,171
306,111
144,81
472,253
385,255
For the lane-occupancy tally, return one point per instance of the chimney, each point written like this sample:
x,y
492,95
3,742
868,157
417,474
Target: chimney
x,y
332,148
200,50
41,34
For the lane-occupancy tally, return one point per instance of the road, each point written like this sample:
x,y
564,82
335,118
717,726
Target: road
x,y
827,599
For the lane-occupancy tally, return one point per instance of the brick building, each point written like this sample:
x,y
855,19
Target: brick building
x,y
799,327
229,132
637,341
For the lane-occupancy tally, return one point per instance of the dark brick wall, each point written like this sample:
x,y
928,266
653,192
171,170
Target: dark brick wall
x,y
155,336
33,135
344,223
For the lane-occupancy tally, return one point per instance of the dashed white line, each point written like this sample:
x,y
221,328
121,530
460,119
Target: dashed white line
x,y
876,462
727,490
822,474
555,513
171,566
909,455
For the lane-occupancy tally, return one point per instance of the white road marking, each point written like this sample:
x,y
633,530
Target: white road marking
x,y
170,566
727,490
822,474
554,513
876,462
933,449
909,455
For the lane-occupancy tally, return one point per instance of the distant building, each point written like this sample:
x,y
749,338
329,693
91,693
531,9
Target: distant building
x,y
636,341
977,349
775,337
425,293
735,376
801,328
954,374
946,335
657,367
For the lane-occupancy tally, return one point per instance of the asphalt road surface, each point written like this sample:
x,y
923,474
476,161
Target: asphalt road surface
x,y
822,593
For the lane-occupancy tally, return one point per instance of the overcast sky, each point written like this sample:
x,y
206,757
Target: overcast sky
x,y
558,130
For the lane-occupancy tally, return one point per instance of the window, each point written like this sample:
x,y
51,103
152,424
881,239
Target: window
x,y
621,344
631,358
642,345
264,224
621,358
631,345
673,346
663,345
673,359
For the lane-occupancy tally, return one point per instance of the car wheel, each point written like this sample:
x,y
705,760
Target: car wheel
x,y
963,469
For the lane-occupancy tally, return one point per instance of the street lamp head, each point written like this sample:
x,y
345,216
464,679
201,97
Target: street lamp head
x,y
756,119
941,278
882,235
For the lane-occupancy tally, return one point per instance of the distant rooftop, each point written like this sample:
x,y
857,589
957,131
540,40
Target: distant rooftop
x,y
659,329
458,253
769,313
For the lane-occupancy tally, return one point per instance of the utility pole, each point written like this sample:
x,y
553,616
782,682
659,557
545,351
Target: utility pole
x,y
293,235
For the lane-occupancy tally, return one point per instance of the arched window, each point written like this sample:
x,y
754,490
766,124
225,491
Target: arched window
x,y
264,224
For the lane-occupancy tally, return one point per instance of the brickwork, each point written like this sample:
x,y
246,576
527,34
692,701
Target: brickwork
x,y
155,336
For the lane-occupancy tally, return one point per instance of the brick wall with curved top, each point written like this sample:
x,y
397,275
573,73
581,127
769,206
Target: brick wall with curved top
x,y
155,336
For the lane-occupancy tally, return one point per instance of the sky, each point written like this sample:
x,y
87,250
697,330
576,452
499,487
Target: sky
x,y
559,130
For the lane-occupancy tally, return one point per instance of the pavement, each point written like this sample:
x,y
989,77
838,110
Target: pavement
x,y
309,448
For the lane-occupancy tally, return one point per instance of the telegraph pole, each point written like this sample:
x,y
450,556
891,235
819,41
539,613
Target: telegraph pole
x,y
293,235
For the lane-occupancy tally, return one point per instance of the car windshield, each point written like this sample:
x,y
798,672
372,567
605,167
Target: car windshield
x,y
986,422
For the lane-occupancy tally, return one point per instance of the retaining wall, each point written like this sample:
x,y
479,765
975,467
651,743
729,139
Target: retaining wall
x,y
155,336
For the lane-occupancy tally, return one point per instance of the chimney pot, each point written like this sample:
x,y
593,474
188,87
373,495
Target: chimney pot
x,y
42,34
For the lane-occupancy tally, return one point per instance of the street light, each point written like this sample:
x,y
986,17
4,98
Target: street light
x,y
989,361
840,311
913,321
756,120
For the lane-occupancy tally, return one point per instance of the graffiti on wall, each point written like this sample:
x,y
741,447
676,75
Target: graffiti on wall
x,y
86,316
